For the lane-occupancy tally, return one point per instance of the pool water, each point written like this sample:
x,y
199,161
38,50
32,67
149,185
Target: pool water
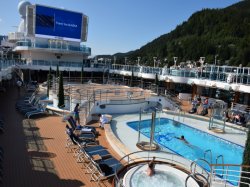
x,y
161,178
165,176
198,141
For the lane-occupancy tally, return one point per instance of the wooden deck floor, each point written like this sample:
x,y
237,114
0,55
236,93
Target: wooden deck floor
x,y
35,153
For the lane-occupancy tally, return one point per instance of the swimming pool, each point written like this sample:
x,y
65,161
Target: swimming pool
x,y
198,141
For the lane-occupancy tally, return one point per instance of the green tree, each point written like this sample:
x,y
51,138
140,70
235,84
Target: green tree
x,y
156,79
60,92
50,70
57,71
246,161
157,83
48,84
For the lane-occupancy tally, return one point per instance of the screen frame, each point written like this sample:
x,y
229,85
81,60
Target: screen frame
x,y
55,35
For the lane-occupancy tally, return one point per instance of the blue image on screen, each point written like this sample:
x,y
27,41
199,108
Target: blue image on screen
x,y
59,23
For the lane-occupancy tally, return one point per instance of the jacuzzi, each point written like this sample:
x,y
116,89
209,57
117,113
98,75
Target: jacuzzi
x,y
165,176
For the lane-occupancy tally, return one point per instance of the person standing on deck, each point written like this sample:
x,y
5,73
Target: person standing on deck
x,y
76,114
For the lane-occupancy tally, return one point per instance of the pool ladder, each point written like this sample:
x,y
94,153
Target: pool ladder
x,y
222,162
219,157
206,152
198,173
199,178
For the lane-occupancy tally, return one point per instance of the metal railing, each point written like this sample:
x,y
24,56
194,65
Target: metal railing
x,y
87,95
227,74
143,157
230,174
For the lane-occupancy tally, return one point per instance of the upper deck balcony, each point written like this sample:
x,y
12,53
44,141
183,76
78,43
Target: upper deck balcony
x,y
58,47
223,77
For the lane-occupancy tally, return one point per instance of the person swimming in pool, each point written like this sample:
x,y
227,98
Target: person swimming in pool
x,y
182,138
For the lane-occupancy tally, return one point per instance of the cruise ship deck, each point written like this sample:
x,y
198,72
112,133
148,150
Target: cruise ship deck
x,y
34,150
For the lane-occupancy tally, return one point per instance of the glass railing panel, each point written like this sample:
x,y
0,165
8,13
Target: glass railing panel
x,y
64,64
76,64
54,46
39,45
34,62
47,63
54,63
24,43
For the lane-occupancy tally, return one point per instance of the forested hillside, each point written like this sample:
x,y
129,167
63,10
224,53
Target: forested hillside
x,y
209,32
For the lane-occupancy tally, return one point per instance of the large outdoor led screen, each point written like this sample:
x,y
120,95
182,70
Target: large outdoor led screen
x,y
58,24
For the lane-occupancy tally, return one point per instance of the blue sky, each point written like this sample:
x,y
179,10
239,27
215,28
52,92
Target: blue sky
x,y
119,25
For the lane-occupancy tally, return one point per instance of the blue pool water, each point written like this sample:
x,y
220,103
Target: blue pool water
x,y
166,130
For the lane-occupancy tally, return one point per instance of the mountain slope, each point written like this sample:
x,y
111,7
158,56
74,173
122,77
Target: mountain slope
x,y
209,32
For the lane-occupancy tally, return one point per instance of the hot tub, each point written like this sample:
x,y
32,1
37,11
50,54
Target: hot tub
x,y
165,176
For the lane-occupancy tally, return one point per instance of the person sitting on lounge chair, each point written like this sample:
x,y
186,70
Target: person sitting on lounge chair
x,y
204,111
193,110
240,119
103,120
71,134
205,103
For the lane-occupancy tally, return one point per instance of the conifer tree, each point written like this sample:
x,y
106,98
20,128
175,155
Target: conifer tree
x,y
60,92
50,70
48,84
156,79
57,71
156,83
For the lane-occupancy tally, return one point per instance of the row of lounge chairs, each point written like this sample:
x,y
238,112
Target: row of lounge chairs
x,y
96,159
30,106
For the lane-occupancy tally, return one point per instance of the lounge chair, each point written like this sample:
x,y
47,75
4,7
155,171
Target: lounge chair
x,y
89,136
25,100
38,111
110,161
105,169
89,157
80,129
34,102
92,149
86,150
24,110
79,143
83,144
26,103
102,153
